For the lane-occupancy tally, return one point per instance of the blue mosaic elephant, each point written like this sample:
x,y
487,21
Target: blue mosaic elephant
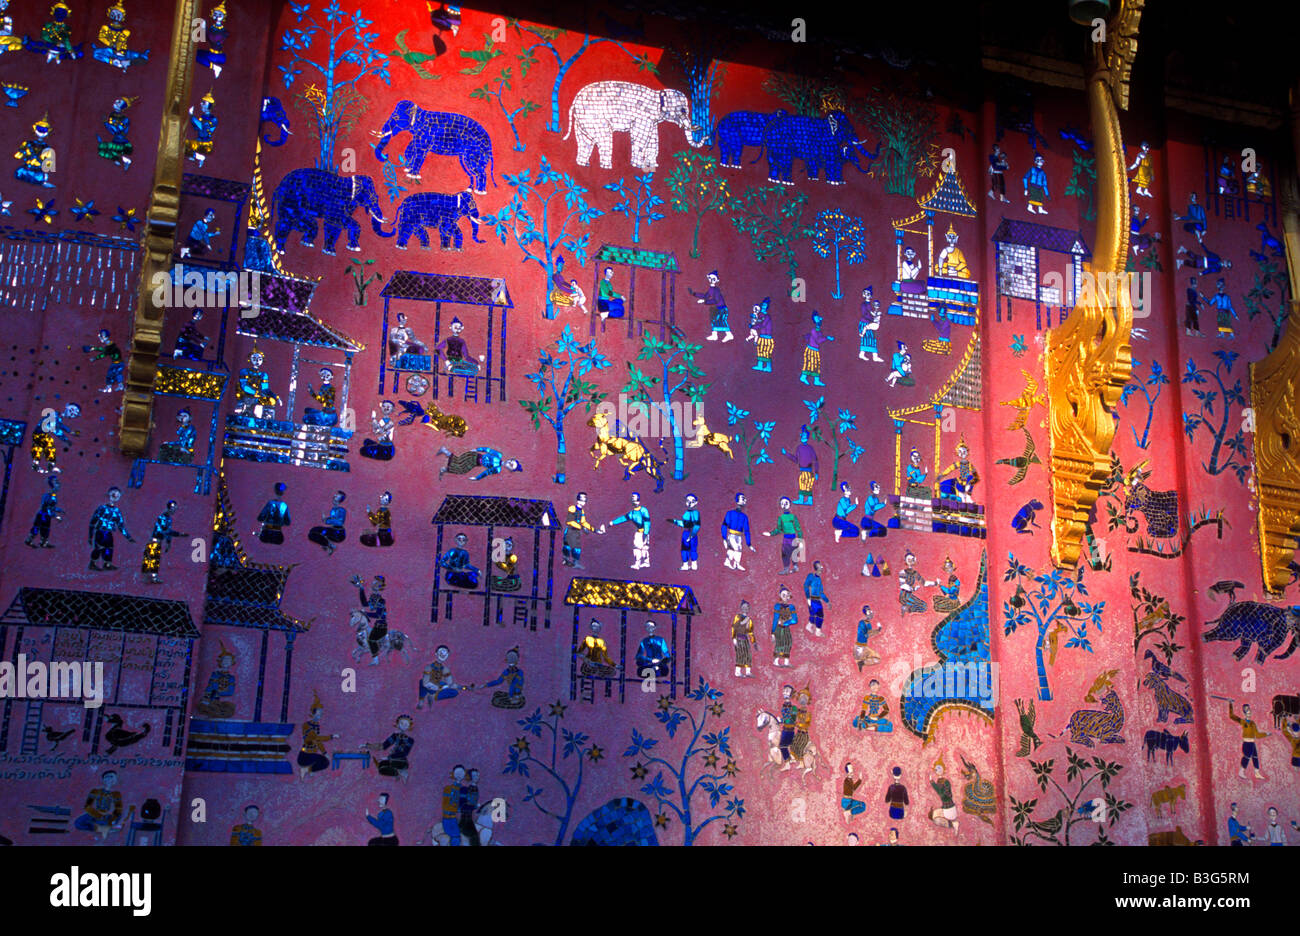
x,y
442,133
823,143
306,198
435,209
273,112
740,129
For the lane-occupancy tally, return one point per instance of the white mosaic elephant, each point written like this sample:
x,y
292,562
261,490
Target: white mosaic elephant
x,y
604,108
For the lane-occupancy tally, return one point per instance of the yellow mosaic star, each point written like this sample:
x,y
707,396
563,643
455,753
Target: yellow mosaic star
x,y
665,703
711,759
730,768
639,771
662,820
521,745
595,754
730,830
558,708
716,709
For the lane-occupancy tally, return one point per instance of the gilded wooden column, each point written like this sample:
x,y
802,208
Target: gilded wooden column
x,y
1274,385
1088,355
159,237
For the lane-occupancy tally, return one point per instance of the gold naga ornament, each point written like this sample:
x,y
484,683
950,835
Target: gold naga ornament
x,y
1089,359
1274,386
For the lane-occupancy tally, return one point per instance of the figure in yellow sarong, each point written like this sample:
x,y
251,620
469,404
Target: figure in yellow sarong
x,y
952,262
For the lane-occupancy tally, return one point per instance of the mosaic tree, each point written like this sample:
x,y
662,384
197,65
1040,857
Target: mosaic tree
x,y
562,385
1153,618
747,442
771,216
497,88
543,233
1157,379
678,374
1268,297
697,189
834,234
563,745
1080,776
909,141
1051,608
697,53
349,55
804,95
673,787
835,437
1083,183
638,202
546,39
1229,451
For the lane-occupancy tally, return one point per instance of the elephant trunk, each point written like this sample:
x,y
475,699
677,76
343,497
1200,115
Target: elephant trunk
x,y
377,223
284,136
473,227
381,143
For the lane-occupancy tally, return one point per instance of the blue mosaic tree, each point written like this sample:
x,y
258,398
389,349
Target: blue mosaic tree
x,y
349,56
545,231
1229,451
638,203
836,234
678,374
761,436
547,40
562,385
677,782
1156,379
1053,611
496,89
563,745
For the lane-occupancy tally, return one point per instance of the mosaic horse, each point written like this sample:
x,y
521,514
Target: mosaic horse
x,y
808,763
631,454
392,642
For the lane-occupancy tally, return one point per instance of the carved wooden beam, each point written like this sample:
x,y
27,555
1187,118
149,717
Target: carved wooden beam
x,y
159,238
1274,386
1088,355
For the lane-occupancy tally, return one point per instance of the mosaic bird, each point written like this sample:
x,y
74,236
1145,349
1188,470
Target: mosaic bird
x,y
1022,462
54,736
1025,402
1027,734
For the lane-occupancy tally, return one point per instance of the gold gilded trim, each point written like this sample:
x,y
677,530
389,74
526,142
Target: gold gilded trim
x,y
1088,355
159,238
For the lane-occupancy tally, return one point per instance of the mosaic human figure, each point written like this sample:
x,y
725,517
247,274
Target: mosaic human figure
x,y
950,599
52,429
102,812
204,127
55,41
383,823
1035,186
383,427
951,261
327,414
104,522
214,55
785,618
216,701
594,653
719,320
917,483
574,527
909,581
998,168
333,530
964,476
791,533
1194,221
1145,171
811,375
436,682
274,517
814,593
112,43
511,696
246,834
46,515
690,524
896,795
253,394
458,571
375,607
118,148
869,328
743,641
191,342
805,460
863,655
850,805
874,713
36,157
312,755
488,461
653,653
639,517
760,332
1224,312
945,815
396,748
381,519
456,355
160,541
180,451
735,533
900,367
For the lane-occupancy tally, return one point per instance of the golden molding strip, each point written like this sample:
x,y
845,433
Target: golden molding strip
x,y
1088,356
159,238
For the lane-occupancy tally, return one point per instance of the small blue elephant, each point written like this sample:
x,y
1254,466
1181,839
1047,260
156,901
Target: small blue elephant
x,y
306,198
435,209
445,134
273,112
740,129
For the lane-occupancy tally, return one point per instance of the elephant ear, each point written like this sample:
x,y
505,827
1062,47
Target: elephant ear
x,y
663,102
